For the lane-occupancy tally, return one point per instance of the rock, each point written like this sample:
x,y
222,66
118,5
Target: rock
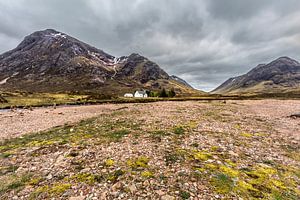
x,y
59,160
132,188
167,197
160,192
77,198
117,186
297,115
233,153
49,177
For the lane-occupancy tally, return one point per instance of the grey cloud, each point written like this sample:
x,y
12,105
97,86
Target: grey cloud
x,y
202,41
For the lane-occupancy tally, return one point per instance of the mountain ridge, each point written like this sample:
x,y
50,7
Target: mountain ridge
x,y
279,76
52,61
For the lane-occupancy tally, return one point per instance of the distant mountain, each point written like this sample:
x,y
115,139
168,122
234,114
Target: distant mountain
x,y
180,80
51,61
279,76
2,100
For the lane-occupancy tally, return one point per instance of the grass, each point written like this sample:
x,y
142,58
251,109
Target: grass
x,y
184,194
223,183
179,130
24,99
14,182
40,99
91,129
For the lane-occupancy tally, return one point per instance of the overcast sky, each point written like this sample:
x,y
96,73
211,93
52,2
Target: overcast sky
x,y
203,41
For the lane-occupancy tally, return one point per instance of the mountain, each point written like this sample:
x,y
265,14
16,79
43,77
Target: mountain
x,y
51,61
2,100
279,76
180,80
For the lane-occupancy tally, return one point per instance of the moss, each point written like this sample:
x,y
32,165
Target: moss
x,y
202,156
58,188
178,130
211,167
6,155
222,183
8,169
35,181
109,163
147,174
173,157
247,135
229,171
200,169
245,187
230,163
184,194
84,178
260,134
192,124
115,175
40,190
40,143
214,148
278,184
119,134
140,162
265,179
51,191
14,183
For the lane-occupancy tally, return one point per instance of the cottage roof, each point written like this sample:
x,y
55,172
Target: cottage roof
x,y
141,92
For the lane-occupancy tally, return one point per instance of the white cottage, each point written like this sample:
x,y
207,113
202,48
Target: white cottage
x,y
140,94
129,95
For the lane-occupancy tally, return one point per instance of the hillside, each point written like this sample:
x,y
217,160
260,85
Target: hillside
x,y
51,61
279,76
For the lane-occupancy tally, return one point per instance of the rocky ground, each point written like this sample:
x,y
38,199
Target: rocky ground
x,y
18,122
163,150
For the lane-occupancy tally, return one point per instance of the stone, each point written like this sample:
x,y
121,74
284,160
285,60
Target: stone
x,y
296,115
77,198
132,188
117,186
167,197
160,192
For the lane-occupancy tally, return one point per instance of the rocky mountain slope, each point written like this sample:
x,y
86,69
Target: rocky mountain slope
x,y
279,76
51,61
2,99
180,80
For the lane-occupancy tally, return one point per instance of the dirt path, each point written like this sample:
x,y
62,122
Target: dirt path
x,y
16,123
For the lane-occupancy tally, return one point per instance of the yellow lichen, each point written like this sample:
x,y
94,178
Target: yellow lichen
x,y
200,169
109,162
147,174
229,162
140,162
229,171
84,178
203,156
248,135
59,188
211,166
245,187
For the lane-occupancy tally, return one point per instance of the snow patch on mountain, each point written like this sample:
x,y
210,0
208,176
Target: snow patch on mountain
x,y
4,81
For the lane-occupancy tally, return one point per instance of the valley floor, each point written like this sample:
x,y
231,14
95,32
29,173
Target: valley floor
x,y
164,150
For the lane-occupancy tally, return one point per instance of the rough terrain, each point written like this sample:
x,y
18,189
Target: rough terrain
x,y
162,150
